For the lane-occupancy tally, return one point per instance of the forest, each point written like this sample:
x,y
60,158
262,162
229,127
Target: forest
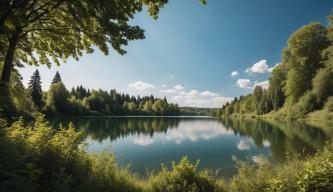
x,y
81,101
302,83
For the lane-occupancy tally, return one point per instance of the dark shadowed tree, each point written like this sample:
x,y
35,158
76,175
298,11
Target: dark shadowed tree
x,y
35,89
56,78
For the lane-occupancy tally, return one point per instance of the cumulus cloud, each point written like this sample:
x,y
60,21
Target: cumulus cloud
x,y
259,67
195,98
179,87
208,94
263,84
140,85
192,93
234,74
175,89
244,83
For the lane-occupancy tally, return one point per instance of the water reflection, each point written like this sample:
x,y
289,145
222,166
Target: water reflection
x,y
281,137
148,142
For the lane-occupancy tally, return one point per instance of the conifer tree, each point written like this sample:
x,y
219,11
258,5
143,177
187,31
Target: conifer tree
x,y
35,89
56,78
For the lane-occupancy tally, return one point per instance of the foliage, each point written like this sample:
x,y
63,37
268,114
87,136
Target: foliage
x,y
38,158
38,32
57,99
300,84
183,176
14,97
306,104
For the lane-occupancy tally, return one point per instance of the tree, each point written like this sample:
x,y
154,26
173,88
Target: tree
x,y
44,30
276,84
302,58
56,78
57,98
35,89
323,81
257,97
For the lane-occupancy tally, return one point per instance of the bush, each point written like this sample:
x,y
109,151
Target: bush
x,y
249,178
317,174
183,176
39,158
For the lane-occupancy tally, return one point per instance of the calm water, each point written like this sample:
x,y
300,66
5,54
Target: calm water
x,y
146,142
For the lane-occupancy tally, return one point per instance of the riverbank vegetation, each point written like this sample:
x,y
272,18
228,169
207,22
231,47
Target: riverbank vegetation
x,y
28,149
300,84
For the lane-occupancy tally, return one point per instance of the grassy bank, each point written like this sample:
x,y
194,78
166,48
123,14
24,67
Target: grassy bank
x,y
39,158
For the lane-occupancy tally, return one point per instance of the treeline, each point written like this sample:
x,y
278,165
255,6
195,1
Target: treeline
x,y
195,111
83,101
302,83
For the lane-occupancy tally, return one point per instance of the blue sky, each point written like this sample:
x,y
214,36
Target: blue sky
x,y
190,52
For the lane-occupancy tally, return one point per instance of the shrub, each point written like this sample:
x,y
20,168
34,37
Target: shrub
x,y
249,178
317,174
183,176
40,158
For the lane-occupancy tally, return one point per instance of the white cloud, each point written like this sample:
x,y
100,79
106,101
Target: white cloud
x,y
234,74
219,101
140,85
195,98
193,93
259,67
263,84
271,68
208,94
244,83
179,87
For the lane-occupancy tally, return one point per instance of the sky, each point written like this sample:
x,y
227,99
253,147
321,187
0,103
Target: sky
x,y
195,55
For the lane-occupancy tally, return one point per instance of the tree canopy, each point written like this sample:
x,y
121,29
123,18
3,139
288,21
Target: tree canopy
x,y
38,32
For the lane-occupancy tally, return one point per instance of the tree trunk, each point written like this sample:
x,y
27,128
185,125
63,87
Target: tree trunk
x,y
8,64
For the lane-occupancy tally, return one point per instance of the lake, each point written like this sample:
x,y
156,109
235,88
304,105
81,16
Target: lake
x,y
145,143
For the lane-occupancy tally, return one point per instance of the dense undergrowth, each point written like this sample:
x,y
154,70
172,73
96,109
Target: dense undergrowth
x,y
36,157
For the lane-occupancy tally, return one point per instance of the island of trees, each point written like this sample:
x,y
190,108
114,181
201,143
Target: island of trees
x,y
301,84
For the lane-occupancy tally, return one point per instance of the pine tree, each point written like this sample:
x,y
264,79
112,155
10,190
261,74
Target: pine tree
x,y
56,78
35,89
